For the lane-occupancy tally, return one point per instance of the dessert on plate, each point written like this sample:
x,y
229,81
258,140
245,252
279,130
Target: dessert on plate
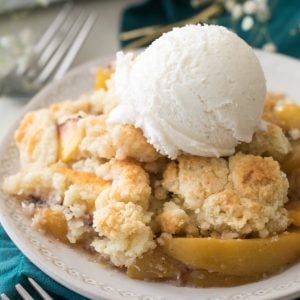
x,y
178,167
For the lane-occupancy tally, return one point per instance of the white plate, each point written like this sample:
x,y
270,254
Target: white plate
x,y
73,269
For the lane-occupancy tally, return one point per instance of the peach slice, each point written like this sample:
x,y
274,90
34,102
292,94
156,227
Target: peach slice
x,y
289,116
70,137
205,279
102,75
53,223
293,208
240,257
157,265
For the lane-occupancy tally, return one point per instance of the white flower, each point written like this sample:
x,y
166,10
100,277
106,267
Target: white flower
x,y
263,12
261,4
229,5
6,41
247,23
270,47
237,11
250,7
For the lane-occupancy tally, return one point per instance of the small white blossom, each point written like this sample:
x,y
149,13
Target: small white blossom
x,y
229,5
263,16
270,47
263,12
261,4
250,7
237,11
6,41
247,23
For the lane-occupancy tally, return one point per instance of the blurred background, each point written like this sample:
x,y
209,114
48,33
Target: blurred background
x,y
273,25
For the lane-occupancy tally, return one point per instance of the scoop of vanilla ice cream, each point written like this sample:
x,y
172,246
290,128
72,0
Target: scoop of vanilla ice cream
x,y
196,89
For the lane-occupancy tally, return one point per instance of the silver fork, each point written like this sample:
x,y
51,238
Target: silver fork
x,y
52,55
25,295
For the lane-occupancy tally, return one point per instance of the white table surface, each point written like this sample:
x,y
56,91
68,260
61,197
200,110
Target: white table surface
x,y
103,40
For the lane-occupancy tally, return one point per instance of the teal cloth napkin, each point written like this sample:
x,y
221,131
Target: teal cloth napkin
x,y
281,30
15,268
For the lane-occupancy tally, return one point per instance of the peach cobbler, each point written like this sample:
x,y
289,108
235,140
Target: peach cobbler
x,y
167,213
196,220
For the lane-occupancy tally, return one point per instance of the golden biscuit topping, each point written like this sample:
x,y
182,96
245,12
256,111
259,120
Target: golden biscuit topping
x,y
89,182
37,139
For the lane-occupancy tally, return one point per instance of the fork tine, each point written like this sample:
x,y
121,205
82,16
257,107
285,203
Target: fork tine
x,y
40,290
69,58
57,39
47,36
4,297
54,26
23,293
54,61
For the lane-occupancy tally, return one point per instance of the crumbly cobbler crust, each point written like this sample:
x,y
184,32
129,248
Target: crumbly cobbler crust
x,y
113,190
